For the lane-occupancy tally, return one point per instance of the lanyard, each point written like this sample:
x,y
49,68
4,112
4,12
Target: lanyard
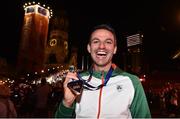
x,y
88,86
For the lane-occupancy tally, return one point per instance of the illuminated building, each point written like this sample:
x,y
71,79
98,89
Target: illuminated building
x,y
56,51
135,53
44,41
34,37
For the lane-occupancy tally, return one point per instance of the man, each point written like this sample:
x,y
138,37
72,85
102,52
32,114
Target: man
x,y
7,107
108,92
42,96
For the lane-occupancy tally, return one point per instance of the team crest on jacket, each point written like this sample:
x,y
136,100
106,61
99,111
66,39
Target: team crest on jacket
x,y
119,88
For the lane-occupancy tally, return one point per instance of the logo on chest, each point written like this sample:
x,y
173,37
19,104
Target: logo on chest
x,y
119,88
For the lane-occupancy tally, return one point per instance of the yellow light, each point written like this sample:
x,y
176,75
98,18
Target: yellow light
x,y
42,71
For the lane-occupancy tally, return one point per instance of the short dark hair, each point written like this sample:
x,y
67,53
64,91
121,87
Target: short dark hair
x,y
106,27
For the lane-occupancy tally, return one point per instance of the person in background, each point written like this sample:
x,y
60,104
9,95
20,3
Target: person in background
x,y
7,107
108,91
42,96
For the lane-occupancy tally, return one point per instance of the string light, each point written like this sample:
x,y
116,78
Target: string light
x,y
26,5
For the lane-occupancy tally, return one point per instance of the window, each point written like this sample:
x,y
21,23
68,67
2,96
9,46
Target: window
x,y
42,11
30,10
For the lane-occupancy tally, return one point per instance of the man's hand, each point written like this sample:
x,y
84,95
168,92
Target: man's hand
x,y
69,96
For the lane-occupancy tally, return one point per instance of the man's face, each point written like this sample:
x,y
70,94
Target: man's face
x,y
102,47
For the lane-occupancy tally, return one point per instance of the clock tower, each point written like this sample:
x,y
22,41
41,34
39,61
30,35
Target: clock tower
x,y
56,51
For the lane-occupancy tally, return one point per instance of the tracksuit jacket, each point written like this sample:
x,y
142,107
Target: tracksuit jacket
x,y
122,97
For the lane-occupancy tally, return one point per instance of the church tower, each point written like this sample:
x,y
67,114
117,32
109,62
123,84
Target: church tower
x,y
56,51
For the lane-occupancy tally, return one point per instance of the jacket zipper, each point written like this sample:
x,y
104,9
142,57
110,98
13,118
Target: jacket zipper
x,y
100,95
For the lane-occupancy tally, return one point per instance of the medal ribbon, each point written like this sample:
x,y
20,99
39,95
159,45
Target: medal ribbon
x,y
88,86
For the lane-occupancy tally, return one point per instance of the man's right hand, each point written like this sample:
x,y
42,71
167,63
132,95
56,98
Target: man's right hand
x,y
69,96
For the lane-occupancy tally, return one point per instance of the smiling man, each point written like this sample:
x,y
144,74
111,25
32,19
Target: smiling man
x,y
108,91
102,47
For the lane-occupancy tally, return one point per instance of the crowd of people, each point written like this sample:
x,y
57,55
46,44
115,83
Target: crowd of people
x,y
165,101
30,100
22,98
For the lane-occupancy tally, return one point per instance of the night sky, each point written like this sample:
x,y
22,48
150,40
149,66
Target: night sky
x,y
158,20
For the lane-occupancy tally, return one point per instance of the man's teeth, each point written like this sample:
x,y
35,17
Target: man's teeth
x,y
101,53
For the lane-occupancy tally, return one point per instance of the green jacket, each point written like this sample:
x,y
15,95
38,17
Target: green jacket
x,y
122,97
